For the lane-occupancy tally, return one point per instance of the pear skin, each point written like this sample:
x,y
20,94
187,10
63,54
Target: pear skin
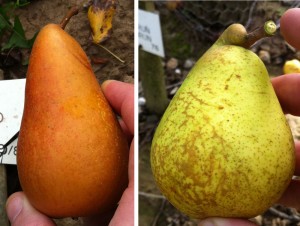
x,y
223,147
72,154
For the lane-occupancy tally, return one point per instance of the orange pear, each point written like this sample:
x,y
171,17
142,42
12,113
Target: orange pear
x,y
72,154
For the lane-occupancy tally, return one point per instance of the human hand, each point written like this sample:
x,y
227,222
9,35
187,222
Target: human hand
x,y
287,88
121,97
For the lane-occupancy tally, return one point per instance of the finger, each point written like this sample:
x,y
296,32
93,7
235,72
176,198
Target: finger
x,y
287,88
124,215
297,154
290,27
21,213
225,222
125,212
126,131
97,220
291,195
121,97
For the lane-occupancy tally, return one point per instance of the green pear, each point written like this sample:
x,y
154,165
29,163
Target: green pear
x,y
223,147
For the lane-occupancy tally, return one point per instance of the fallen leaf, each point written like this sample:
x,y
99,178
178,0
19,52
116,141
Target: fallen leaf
x,y
100,15
99,60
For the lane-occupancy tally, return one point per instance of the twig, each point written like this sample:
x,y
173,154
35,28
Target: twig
x,y
149,131
267,30
150,195
161,209
174,85
249,21
295,4
284,215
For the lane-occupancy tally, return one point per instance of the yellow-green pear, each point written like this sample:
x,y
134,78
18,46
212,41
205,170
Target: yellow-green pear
x,y
223,147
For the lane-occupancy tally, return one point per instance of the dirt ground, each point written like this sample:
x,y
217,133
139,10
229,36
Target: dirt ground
x,y
41,12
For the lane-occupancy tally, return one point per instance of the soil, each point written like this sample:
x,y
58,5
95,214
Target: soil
x,y
41,12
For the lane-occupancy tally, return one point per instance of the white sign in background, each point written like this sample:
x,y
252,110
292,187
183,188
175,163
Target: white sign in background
x,y
150,36
11,111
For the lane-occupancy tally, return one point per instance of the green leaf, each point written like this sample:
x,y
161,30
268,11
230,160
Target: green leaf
x,y
18,38
4,20
3,23
31,41
20,3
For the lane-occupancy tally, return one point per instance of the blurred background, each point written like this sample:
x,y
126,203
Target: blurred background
x,y
188,30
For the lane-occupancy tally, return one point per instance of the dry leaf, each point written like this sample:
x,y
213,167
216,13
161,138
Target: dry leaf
x,y
100,15
99,60
173,5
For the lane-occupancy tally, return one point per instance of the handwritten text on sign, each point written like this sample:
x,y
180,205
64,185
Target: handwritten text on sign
x,y
150,37
11,110
8,154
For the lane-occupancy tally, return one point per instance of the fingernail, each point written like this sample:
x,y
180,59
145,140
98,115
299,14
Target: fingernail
x,y
14,208
207,223
105,83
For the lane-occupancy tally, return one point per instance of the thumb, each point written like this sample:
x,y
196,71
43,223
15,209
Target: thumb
x,y
290,25
21,213
225,222
121,97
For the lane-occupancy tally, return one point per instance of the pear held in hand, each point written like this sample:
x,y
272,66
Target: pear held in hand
x,y
223,147
72,154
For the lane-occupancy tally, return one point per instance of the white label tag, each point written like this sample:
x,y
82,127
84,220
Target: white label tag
x,y
11,111
150,37
8,155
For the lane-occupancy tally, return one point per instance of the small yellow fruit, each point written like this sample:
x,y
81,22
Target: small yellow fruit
x,y
291,66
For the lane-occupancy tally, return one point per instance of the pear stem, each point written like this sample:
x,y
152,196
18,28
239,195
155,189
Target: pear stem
x,y
268,30
72,12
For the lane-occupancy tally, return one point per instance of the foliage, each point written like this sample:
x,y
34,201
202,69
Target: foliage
x,y
13,30
100,15
177,45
